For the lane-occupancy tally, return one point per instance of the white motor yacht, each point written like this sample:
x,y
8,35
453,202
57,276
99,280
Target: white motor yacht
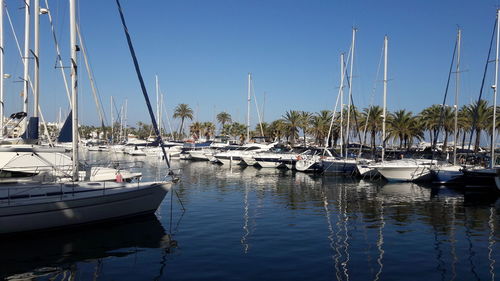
x,y
405,169
234,155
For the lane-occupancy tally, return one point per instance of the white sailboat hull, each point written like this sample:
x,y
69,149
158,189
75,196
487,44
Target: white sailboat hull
x,y
87,205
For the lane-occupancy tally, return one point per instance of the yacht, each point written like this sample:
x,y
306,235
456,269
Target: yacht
x,y
336,165
405,169
33,206
275,158
448,173
235,155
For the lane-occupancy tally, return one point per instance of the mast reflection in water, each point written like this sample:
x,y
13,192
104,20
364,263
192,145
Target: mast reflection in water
x,y
248,224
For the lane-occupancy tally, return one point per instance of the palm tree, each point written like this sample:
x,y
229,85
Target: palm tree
x,y
320,124
447,121
238,130
224,118
209,129
183,111
265,127
481,119
292,119
400,126
304,122
372,118
464,123
430,118
195,130
278,129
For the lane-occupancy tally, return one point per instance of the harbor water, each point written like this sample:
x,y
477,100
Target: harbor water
x,y
237,223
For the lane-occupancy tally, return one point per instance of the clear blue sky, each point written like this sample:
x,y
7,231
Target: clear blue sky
x,y
203,50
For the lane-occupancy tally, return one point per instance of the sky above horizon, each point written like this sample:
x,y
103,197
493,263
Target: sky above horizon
x,y
202,52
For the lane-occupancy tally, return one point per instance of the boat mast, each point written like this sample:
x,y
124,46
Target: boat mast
x,y
74,86
157,101
125,134
384,112
36,48
457,85
493,129
160,123
1,68
350,90
342,73
26,59
112,120
248,106
121,123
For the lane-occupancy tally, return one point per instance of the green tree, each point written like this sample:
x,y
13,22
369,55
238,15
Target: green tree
x,y
208,129
224,118
320,125
304,123
183,111
292,119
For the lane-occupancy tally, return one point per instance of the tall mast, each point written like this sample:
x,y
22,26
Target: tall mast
x,y
350,90
384,112
112,120
493,134
74,86
457,86
157,101
160,123
125,135
342,73
1,68
36,48
26,59
248,105
121,123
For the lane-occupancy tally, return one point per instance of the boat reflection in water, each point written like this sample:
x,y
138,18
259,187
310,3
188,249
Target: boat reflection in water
x,y
83,252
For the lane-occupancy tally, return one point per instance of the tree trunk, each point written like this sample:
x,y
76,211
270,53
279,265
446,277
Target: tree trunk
x,y
478,139
304,130
373,135
445,143
463,140
180,128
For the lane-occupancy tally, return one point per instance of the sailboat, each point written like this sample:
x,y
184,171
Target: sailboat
x,y
450,173
402,169
343,165
39,206
487,179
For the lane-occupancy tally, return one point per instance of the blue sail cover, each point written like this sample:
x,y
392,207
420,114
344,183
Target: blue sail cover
x,y
31,132
66,135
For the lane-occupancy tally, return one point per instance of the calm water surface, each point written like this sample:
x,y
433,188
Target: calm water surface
x,y
249,224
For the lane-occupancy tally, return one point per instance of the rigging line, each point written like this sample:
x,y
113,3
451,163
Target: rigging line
x,y
143,88
474,119
333,118
441,118
372,97
165,110
95,91
354,115
46,130
257,107
58,52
